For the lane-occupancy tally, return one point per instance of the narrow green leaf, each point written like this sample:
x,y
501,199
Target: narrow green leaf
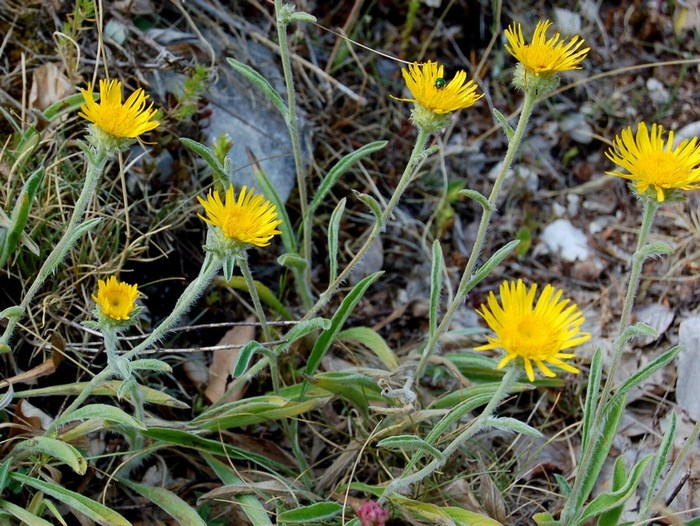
x,y
644,373
207,154
479,198
333,229
250,504
20,214
545,519
70,104
150,364
341,315
350,385
266,295
301,16
255,410
371,203
4,473
564,486
313,514
152,396
492,263
23,515
100,412
88,507
339,169
410,443
660,461
601,448
244,356
636,330
612,516
57,449
261,83
166,500
305,327
435,287
610,500
513,425
374,342
590,405
293,261
655,249
432,514
453,398
188,439
505,125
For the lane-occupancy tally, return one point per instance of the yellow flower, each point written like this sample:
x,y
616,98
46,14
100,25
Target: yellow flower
x,y
542,56
431,91
536,334
122,121
115,299
249,220
652,164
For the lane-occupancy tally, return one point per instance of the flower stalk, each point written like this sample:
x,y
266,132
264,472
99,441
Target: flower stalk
x,y
464,285
250,283
416,155
282,14
96,161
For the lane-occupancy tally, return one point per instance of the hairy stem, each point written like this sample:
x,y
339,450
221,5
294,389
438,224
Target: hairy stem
x,y
250,283
406,481
463,289
304,288
574,500
96,161
406,177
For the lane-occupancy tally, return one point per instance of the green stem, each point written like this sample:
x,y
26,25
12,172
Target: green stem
x,y
210,267
572,502
464,288
650,208
406,177
477,425
250,283
282,22
96,161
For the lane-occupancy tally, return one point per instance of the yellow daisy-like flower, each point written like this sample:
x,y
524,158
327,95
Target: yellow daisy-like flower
x,y
430,90
651,163
121,121
545,56
116,300
536,334
249,220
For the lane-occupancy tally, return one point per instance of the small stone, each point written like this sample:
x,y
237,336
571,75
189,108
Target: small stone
x,y
565,239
